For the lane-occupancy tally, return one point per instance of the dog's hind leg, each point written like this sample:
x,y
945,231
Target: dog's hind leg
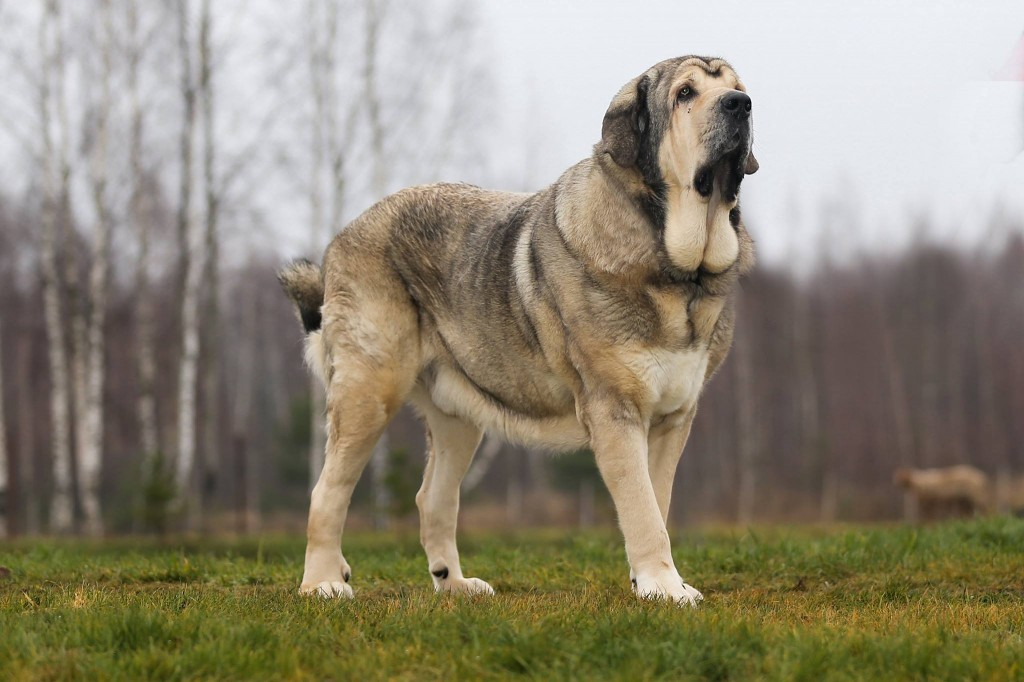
x,y
451,443
371,366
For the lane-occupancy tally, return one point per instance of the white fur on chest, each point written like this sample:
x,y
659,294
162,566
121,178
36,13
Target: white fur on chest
x,y
672,379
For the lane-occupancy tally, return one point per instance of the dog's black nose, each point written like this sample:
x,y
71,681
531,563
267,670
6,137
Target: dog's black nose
x,y
737,104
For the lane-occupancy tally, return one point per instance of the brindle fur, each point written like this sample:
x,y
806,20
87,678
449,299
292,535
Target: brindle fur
x,y
588,314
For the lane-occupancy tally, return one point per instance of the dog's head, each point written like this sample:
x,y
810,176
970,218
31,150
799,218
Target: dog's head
x,y
685,122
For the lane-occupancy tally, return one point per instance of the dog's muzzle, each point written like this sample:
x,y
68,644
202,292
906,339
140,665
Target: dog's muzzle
x,y
727,146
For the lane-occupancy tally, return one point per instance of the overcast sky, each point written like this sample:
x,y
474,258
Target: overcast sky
x,y
891,102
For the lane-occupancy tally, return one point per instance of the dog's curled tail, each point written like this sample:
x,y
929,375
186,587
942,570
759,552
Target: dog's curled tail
x,y
304,284
303,281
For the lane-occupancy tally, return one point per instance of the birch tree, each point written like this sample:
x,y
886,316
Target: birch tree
x,y
91,448
485,456
211,275
191,280
55,307
140,225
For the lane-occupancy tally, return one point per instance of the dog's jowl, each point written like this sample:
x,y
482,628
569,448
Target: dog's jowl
x,y
591,313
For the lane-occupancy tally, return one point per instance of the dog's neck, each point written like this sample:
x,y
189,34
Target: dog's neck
x,y
604,225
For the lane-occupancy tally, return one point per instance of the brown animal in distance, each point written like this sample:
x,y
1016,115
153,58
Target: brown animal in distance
x,y
589,314
943,492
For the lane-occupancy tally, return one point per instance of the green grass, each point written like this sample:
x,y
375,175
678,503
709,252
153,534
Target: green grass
x,y
942,602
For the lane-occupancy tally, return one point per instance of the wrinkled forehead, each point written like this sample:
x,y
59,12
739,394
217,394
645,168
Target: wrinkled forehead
x,y
704,74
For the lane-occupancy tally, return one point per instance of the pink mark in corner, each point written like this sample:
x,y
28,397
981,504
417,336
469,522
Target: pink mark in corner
x,y
1013,69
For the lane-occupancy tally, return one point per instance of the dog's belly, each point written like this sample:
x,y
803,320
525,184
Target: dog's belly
x,y
671,382
454,394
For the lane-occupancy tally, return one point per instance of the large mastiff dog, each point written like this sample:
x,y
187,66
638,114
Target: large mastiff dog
x,y
591,313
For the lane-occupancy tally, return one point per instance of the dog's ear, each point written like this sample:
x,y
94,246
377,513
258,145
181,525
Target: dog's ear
x,y
626,122
751,165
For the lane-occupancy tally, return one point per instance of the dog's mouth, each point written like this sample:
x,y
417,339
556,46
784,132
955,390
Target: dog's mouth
x,y
724,173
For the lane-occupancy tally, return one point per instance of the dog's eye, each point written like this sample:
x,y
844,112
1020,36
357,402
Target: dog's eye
x,y
684,92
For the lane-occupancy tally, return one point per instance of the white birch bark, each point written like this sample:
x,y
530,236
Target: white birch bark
x,y
140,224
187,367
75,296
211,463
55,308
482,461
91,448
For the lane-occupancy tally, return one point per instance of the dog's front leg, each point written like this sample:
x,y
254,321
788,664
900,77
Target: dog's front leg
x,y
618,436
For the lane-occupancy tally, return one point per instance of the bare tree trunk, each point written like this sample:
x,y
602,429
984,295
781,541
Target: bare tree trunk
x,y
485,456
4,493
61,511
538,494
90,459
211,286
247,503
76,299
586,503
187,376
746,430
810,413
931,371
140,219
187,368
514,501
902,423
379,483
996,444
27,456
897,388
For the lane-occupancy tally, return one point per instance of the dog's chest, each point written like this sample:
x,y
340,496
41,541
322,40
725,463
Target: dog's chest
x,y
671,380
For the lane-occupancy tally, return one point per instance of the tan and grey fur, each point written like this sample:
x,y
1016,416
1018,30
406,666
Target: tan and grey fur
x,y
591,313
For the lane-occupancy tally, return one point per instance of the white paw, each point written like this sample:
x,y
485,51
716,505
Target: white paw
x,y
462,586
694,593
668,586
329,590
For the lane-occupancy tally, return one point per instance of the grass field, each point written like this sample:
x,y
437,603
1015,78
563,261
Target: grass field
x,y
942,602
